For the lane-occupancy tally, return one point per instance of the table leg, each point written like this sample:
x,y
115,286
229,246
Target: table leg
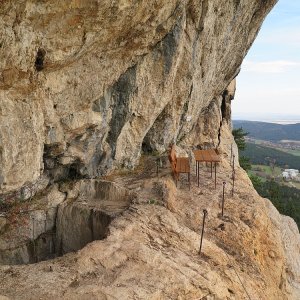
x,y
215,175
198,175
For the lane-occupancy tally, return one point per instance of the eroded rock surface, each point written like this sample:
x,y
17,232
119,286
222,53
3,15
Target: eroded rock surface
x,y
85,85
151,251
86,218
61,221
29,235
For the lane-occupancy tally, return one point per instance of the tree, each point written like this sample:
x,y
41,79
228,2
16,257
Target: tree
x,y
239,137
257,182
245,163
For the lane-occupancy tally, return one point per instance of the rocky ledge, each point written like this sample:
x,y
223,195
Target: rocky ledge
x,y
151,250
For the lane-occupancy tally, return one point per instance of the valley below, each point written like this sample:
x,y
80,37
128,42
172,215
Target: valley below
x,y
273,163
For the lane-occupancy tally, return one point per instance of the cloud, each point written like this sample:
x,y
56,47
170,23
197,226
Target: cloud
x,y
277,66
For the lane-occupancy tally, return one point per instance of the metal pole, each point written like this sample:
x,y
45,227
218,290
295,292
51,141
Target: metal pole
x,y
223,198
202,232
215,175
233,179
198,176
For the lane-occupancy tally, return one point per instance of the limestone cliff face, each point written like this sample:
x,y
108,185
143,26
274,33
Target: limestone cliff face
x,y
85,85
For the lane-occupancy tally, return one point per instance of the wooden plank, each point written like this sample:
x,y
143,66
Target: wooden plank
x,y
206,156
215,156
198,155
183,165
209,155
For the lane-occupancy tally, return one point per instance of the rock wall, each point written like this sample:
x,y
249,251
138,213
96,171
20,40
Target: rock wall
x,y
86,217
85,85
61,221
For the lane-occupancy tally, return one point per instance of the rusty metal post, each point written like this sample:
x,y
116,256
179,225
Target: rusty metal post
x,y
198,175
223,198
233,179
202,232
215,175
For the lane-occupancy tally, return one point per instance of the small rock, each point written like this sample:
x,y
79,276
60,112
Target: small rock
x,y
272,254
66,160
48,269
74,283
222,226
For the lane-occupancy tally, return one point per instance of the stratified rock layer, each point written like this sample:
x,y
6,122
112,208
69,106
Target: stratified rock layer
x,y
86,218
62,221
85,85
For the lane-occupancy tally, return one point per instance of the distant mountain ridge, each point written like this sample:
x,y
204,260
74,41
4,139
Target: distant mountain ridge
x,y
269,131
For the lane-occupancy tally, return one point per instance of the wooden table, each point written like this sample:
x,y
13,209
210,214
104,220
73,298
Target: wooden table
x,y
209,155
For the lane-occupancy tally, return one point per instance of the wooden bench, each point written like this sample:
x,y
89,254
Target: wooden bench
x,y
179,165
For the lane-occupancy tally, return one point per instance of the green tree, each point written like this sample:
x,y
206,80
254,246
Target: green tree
x,y
239,137
245,163
285,199
257,182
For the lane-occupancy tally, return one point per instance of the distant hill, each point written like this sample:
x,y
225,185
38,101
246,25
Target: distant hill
x,y
269,131
261,155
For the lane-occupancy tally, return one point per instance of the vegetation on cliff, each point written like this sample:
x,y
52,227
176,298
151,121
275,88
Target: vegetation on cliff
x,y
285,199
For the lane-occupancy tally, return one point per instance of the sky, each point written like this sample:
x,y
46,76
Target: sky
x,y
269,82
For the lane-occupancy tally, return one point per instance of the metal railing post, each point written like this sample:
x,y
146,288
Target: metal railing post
x,y
202,232
233,179
223,198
